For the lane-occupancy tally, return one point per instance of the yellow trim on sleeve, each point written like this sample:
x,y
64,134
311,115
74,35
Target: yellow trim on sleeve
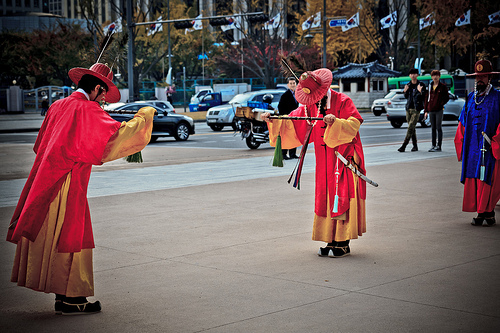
x,y
131,137
341,131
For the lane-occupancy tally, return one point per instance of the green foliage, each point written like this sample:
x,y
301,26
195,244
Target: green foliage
x,y
43,57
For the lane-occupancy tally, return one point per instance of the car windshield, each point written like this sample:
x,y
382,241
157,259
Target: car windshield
x,y
390,94
240,98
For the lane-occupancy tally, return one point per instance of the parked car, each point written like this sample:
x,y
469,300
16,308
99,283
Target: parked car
x,y
165,105
166,123
396,112
379,106
223,115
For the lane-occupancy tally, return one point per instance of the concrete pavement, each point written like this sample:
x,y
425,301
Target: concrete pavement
x,y
226,247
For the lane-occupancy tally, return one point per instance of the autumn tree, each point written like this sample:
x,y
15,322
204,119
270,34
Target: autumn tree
x,y
43,57
478,37
354,45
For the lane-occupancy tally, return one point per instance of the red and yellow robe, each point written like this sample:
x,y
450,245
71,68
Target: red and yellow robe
x,y
51,224
342,136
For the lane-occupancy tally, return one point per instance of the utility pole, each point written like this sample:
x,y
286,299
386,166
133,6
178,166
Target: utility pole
x,y
130,56
324,33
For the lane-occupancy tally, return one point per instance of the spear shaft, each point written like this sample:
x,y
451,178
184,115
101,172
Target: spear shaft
x,y
296,118
125,112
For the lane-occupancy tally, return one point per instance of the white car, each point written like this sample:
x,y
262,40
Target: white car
x,y
396,112
223,115
380,105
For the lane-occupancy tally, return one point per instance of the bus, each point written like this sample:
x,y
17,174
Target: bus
x,y
399,82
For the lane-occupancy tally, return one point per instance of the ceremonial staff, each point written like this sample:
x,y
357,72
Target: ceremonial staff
x,y
125,112
295,118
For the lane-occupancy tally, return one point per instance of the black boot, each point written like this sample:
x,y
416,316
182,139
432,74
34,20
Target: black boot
x,y
323,251
403,147
414,141
342,249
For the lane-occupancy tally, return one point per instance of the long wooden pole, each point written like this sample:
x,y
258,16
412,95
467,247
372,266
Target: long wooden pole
x,y
295,118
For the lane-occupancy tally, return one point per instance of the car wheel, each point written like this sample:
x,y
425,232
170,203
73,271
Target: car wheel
x,y
153,138
396,124
234,125
181,132
377,113
216,128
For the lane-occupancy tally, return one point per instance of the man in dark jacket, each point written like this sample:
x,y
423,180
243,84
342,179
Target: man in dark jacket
x,y
287,104
434,106
414,93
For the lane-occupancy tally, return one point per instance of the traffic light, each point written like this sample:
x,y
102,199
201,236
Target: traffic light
x,y
257,18
218,21
185,24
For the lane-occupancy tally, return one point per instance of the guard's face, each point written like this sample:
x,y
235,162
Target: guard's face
x,y
292,85
482,81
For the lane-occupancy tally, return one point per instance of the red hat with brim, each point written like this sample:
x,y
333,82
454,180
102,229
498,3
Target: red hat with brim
x,y
102,72
483,67
313,86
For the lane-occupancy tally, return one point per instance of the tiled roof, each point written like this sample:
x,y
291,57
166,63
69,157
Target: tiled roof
x,y
372,69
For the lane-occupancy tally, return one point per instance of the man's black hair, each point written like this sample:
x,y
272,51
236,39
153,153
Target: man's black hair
x,y
291,78
89,82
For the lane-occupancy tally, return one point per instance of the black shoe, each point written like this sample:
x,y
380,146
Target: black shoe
x,y
339,251
58,306
402,149
433,149
490,221
437,148
415,148
323,251
294,156
286,157
477,221
69,309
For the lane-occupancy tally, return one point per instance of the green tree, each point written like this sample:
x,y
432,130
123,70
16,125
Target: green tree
x,y
43,57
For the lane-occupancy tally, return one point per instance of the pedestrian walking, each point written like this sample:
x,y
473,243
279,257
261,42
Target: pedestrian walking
x,y
437,97
477,143
287,104
51,224
414,92
339,213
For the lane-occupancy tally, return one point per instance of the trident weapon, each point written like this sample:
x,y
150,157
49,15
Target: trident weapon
x,y
355,170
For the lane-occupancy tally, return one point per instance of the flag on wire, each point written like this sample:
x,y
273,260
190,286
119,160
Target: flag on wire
x,y
427,21
155,27
197,24
312,22
464,19
233,24
389,21
113,27
353,22
273,23
494,18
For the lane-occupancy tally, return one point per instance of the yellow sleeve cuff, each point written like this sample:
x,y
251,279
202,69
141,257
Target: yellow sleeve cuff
x,y
131,137
341,131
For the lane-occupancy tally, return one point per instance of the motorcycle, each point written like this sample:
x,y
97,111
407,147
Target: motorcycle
x,y
253,130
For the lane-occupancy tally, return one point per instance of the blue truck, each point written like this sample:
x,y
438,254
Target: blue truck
x,y
208,101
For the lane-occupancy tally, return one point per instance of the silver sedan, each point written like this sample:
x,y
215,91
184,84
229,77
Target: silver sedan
x,y
396,112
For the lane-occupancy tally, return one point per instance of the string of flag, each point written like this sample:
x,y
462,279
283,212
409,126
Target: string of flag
x,y
312,22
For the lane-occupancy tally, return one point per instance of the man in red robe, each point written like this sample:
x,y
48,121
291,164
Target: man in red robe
x,y
480,153
51,224
339,195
